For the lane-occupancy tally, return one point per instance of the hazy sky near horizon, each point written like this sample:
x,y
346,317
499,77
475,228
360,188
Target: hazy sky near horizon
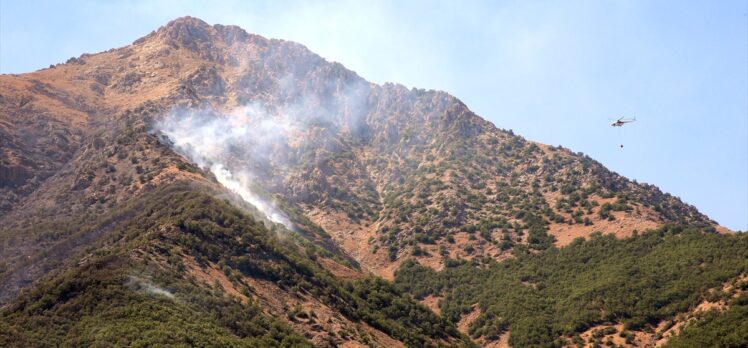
x,y
553,71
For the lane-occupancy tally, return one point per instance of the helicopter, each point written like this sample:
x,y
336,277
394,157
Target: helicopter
x,y
621,121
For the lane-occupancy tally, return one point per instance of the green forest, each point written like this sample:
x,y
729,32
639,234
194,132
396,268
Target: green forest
x,y
545,299
109,298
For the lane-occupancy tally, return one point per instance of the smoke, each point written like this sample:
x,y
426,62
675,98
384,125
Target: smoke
x,y
240,187
139,283
292,122
227,144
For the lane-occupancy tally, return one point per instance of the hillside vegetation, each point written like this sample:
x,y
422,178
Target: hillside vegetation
x,y
546,299
110,296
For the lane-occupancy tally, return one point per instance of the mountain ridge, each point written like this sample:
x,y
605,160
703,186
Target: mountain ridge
x,y
367,177
206,41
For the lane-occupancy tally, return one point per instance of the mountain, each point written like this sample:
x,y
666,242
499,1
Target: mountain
x,y
207,186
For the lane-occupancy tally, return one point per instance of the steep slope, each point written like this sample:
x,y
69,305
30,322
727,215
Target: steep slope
x,y
578,294
407,170
86,218
177,265
337,179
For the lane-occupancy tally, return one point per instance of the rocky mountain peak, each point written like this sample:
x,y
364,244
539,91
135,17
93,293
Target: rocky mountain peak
x,y
194,33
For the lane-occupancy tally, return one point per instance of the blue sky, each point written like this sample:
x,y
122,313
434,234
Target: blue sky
x,y
553,71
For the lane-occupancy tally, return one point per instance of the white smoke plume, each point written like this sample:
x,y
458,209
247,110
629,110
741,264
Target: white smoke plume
x,y
140,283
241,187
297,119
227,144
